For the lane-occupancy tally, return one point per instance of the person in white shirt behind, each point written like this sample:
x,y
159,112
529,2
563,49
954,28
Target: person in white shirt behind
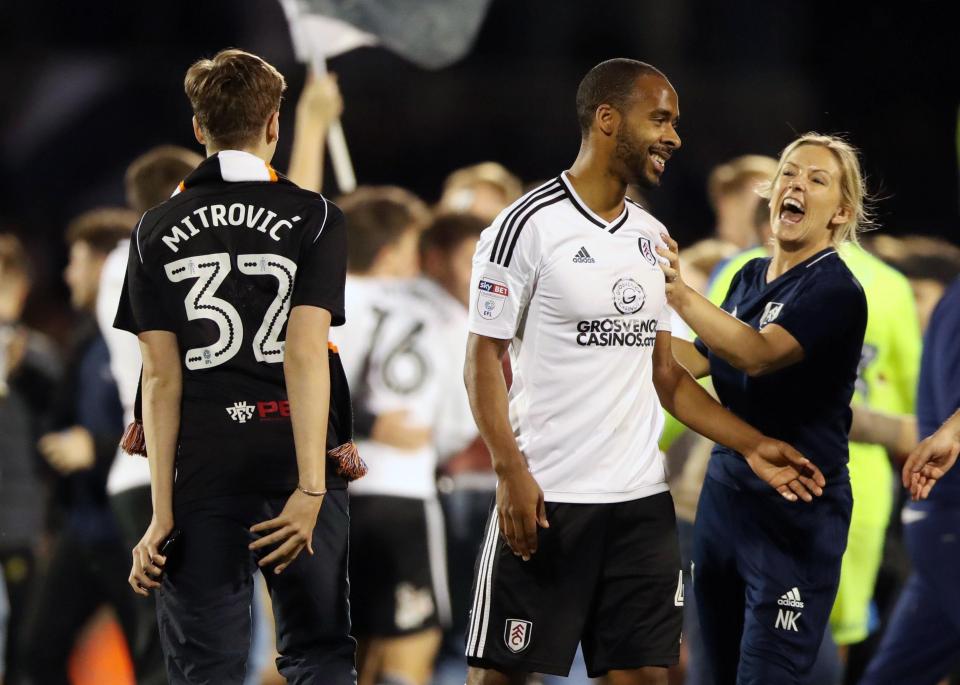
x,y
402,352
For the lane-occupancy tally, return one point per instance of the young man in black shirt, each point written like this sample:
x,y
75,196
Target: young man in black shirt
x,y
232,286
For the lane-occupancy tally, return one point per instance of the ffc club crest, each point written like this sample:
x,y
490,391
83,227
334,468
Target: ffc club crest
x,y
516,634
646,249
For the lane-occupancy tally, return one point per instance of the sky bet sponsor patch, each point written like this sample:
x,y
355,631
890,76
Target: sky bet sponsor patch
x,y
493,288
491,298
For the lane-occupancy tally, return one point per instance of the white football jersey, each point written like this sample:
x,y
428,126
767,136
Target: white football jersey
x,y
581,300
402,349
126,471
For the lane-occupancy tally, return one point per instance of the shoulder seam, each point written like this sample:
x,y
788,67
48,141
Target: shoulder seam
x,y
136,236
326,213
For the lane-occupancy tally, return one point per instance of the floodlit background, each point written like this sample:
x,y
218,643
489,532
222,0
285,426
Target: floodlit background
x,y
89,86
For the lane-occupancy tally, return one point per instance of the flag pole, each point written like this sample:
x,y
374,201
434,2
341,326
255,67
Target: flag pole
x,y
336,141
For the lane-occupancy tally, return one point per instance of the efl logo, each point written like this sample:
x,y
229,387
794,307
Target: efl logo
x,y
493,288
492,296
516,634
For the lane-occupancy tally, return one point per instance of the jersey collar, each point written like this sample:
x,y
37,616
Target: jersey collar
x,y
581,206
797,270
231,166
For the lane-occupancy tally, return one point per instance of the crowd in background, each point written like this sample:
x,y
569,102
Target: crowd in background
x,y
71,507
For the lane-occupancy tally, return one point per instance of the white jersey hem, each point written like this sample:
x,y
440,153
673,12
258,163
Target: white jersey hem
x,y
604,497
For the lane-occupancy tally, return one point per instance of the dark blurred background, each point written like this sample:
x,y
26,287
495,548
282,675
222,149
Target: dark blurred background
x,y
88,86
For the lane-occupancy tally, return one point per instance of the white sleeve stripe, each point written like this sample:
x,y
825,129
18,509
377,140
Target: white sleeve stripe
x,y
326,211
136,237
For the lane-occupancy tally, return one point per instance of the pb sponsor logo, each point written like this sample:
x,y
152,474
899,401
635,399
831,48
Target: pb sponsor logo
x,y
269,410
241,412
516,634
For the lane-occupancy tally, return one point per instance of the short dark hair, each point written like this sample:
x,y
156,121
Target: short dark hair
x,y
609,83
376,217
153,176
448,231
233,95
102,228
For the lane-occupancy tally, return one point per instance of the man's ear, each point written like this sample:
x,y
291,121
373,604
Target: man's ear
x,y
273,128
198,132
606,119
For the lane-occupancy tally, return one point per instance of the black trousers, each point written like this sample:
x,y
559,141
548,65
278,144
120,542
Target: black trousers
x,y
81,576
203,606
133,510
18,565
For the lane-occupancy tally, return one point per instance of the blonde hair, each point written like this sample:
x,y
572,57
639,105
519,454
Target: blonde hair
x,y
491,173
853,186
740,173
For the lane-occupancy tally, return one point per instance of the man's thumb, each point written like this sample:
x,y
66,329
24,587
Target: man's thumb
x,y
542,513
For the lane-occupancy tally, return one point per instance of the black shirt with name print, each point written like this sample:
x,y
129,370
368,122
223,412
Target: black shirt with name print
x,y
221,264
807,404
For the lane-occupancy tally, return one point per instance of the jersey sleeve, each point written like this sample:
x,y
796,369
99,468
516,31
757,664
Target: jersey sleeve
x,y
322,267
124,349
729,288
938,394
829,310
504,271
141,306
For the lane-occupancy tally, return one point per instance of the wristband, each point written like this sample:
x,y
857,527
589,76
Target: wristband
x,y
311,493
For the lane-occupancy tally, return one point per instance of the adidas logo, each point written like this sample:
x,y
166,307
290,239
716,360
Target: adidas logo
x,y
791,599
583,257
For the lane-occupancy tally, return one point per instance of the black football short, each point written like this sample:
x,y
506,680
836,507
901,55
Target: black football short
x,y
398,573
604,575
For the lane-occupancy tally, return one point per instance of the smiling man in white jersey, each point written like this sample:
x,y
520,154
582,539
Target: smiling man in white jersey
x,y
581,545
